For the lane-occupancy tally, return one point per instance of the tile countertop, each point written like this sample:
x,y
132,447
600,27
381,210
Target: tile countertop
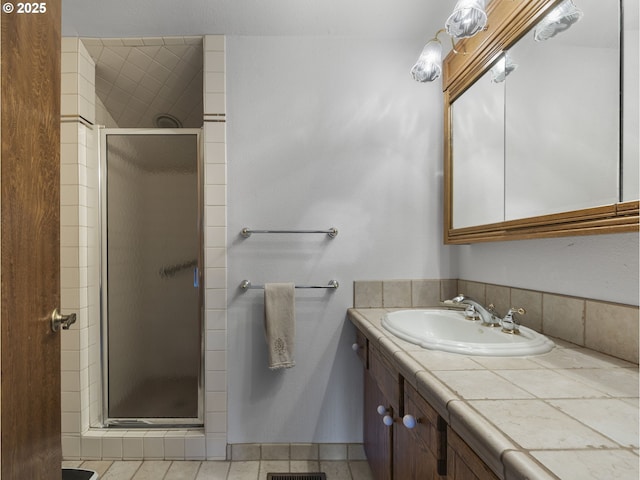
x,y
571,413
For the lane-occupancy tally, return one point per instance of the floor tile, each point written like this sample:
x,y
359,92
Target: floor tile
x,y
124,470
152,470
360,470
304,466
183,471
98,466
221,470
273,466
213,470
244,470
336,470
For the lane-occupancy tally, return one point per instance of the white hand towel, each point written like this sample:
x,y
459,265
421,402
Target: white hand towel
x,y
280,323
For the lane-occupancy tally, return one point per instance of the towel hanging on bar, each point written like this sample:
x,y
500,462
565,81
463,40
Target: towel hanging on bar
x,y
280,324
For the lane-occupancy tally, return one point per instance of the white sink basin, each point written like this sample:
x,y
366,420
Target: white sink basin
x,y
449,331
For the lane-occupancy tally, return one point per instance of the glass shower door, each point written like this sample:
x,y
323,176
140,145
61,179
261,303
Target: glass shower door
x,y
152,320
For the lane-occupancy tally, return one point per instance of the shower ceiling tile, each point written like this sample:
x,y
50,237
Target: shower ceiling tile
x,y
163,75
150,83
133,72
173,40
131,42
122,52
167,58
139,58
153,41
144,95
158,71
111,59
112,42
125,83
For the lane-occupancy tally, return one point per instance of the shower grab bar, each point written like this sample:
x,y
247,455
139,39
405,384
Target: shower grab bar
x,y
166,272
246,285
246,231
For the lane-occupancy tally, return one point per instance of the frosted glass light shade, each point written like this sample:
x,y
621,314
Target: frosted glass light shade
x,y
429,64
502,68
467,19
558,20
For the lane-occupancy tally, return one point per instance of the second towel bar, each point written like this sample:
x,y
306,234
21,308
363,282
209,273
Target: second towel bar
x,y
246,285
246,231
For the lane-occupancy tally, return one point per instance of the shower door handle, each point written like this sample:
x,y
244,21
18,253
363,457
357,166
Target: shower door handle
x,y
65,321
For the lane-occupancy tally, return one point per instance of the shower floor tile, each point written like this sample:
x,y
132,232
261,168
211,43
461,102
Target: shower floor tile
x,y
161,398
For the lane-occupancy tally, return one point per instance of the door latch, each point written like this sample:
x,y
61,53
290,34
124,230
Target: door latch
x,y
58,320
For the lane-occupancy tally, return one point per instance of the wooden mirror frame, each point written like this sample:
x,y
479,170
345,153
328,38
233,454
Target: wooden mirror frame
x,y
508,21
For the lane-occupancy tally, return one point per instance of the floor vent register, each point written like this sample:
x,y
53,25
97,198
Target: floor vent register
x,y
297,476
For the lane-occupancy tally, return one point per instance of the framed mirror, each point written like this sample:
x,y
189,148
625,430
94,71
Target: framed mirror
x,y
536,144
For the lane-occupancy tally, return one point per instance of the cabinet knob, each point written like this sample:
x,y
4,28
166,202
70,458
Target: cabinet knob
x,y
382,410
409,421
387,420
355,347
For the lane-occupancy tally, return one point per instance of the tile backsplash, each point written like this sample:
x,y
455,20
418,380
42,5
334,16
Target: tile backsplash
x,y
605,327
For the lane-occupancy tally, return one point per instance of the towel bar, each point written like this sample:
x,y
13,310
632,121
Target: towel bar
x,y
246,231
246,285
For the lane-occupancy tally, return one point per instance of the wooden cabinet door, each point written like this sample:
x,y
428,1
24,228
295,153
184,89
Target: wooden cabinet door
x,y
463,463
377,436
419,452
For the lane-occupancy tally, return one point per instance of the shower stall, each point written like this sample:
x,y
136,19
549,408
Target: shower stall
x,y
151,277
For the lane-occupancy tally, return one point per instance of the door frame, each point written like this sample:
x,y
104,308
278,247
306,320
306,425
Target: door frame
x,y
106,421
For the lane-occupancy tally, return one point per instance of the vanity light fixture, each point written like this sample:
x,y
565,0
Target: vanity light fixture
x,y
429,64
467,19
558,20
502,68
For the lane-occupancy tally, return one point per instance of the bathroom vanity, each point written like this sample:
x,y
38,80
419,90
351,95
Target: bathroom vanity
x,y
569,413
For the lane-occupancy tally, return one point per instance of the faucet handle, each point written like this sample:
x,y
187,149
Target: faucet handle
x,y
470,313
509,324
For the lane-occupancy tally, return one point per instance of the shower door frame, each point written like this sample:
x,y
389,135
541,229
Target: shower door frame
x,y
131,423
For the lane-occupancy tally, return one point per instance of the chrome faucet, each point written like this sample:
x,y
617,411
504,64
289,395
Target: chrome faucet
x,y
488,316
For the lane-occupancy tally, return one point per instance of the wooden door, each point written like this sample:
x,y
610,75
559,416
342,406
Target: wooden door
x,y
30,260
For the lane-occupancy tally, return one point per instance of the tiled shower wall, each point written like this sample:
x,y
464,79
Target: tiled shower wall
x,y
605,327
80,275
